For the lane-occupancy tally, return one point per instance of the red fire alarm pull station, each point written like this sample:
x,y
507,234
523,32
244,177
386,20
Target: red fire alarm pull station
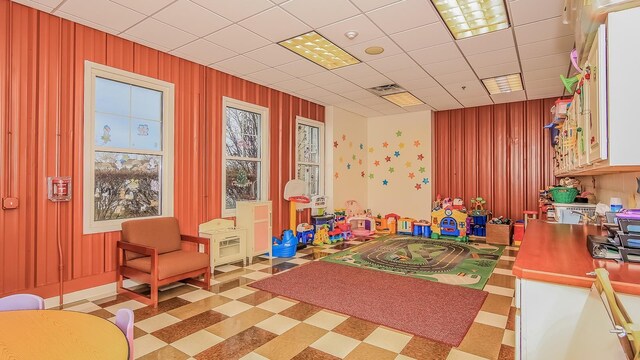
x,y
59,188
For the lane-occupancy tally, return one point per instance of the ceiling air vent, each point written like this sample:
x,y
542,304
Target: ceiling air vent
x,y
389,89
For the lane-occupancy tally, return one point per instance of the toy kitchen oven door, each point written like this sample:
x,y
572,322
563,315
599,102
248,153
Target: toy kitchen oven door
x,y
59,188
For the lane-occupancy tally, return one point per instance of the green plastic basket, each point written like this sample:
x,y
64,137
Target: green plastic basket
x,y
564,195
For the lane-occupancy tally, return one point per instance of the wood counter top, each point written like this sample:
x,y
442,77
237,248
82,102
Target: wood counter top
x,y
557,253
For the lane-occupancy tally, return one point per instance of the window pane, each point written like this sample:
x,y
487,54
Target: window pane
x,y
242,181
308,138
112,131
113,97
146,135
127,186
243,135
310,174
146,103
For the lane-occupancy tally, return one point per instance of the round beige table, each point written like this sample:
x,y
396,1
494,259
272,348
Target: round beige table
x,y
56,334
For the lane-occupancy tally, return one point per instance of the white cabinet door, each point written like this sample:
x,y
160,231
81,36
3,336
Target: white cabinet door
x,y
596,97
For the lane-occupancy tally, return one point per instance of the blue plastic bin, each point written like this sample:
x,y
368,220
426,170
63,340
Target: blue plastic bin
x,y
286,247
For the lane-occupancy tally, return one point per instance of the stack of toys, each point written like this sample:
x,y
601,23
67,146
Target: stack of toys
x,y
304,233
478,218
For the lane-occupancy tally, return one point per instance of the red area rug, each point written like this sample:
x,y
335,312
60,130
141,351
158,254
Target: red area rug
x,y
428,309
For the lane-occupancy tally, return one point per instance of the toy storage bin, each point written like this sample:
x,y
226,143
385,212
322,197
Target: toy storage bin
x,y
564,195
499,234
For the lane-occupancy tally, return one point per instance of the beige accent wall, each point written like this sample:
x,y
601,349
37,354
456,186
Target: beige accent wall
x,y
623,185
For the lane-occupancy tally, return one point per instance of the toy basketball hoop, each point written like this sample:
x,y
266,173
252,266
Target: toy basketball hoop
x,y
294,192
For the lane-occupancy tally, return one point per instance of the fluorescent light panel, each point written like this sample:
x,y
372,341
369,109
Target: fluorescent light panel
x,y
466,18
321,51
503,84
403,99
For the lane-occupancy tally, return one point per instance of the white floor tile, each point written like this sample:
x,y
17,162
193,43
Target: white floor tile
x,y
227,268
156,322
509,338
257,266
456,354
276,305
335,344
197,342
232,308
129,304
491,319
503,271
277,324
146,344
253,356
388,339
298,261
196,295
499,290
84,307
236,293
257,275
325,320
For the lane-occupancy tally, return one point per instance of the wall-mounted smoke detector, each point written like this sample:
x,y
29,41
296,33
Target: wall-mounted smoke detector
x,y
396,94
351,34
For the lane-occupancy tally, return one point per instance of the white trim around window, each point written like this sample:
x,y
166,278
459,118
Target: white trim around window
x,y
262,159
321,153
165,150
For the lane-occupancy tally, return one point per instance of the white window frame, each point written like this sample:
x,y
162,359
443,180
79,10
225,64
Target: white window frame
x,y
91,71
264,150
321,149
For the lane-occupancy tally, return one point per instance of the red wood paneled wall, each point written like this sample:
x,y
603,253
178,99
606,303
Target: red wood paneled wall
x,y
500,152
41,113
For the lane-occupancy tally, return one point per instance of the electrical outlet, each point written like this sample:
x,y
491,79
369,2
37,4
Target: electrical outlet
x,y
9,203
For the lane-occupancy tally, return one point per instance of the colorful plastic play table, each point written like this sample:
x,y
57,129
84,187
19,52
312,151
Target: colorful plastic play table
x,y
58,334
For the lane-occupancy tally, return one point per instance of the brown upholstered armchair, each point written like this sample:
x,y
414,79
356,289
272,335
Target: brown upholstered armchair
x,y
154,252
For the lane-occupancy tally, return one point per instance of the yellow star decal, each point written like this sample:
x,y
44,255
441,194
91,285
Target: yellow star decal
x,y
407,164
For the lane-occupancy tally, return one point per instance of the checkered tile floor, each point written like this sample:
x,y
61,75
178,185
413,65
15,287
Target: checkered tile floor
x,y
233,321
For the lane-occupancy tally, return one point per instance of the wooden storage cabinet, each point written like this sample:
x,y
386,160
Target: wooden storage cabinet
x,y
255,218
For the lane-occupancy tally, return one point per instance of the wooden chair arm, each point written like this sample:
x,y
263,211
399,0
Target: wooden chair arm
x,y
197,240
138,249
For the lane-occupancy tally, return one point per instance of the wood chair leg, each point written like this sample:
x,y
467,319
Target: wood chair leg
x,y
207,279
154,293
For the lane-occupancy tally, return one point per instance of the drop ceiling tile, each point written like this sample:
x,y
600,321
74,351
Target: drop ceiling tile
x,y
415,108
275,24
408,74
472,88
366,29
240,64
270,76
394,111
356,94
528,11
384,106
393,63
320,13
542,93
102,12
447,67
315,92
273,55
323,78
93,25
498,70
542,83
541,30
465,75
487,42
547,73
44,5
561,45
300,68
203,52
146,7
390,49
192,18
423,36
355,71
544,62
238,39
160,33
293,85
368,5
234,11
372,101
417,83
509,97
475,101
341,86
404,15
435,91
438,53
493,57
446,102
331,99
372,81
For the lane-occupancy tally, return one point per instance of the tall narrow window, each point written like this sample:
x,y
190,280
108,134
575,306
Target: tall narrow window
x,y
128,143
309,154
245,162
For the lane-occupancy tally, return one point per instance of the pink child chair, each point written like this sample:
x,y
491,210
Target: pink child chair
x,y
21,302
124,321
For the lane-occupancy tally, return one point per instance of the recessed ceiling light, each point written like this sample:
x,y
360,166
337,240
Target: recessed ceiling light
x,y
351,34
374,50
503,84
321,51
466,18
403,99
